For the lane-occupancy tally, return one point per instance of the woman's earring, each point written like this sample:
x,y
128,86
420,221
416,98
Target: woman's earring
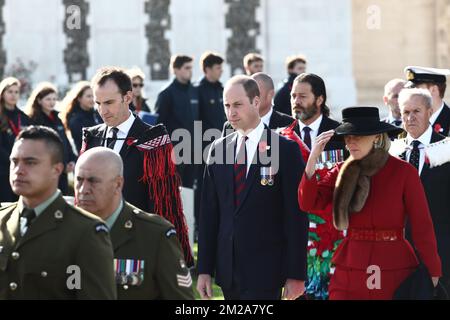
x,y
377,144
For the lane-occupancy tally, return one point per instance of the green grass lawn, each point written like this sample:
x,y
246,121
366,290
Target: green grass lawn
x,y
217,292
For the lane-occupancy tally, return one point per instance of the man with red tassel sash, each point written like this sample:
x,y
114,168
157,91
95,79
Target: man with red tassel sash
x,y
151,181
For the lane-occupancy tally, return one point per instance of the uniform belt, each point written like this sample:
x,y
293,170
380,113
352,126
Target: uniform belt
x,y
376,234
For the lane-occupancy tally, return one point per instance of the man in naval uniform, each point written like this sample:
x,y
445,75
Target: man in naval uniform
x,y
148,262
434,80
48,248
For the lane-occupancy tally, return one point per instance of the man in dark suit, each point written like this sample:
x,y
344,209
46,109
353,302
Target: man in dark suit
x,y
148,259
177,108
416,109
269,116
295,65
253,235
434,80
308,102
151,182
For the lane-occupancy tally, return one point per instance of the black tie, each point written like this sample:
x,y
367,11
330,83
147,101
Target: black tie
x,y
414,158
110,142
28,214
307,137
397,123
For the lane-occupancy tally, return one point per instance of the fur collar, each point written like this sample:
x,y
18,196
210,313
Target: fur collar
x,y
353,185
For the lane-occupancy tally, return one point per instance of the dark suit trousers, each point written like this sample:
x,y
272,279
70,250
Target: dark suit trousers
x,y
236,292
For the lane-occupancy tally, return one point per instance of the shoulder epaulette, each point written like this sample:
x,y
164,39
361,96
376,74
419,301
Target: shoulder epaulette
x,y
438,153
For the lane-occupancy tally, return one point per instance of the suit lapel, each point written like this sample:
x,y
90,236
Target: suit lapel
x,y
273,122
230,149
45,222
323,126
135,130
297,129
121,230
99,137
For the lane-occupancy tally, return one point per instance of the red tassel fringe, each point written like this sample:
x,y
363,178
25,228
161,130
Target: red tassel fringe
x,y
164,182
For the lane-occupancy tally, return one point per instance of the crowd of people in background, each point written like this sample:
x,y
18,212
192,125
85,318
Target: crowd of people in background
x,y
340,201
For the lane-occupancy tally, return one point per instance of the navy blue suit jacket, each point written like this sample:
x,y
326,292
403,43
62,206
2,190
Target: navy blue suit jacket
x,y
267,234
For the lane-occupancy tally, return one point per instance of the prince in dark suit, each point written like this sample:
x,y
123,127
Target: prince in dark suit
x,y
253,235
269,116
434,173
151,182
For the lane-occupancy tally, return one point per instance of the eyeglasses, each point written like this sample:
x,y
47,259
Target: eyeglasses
x,y
135,85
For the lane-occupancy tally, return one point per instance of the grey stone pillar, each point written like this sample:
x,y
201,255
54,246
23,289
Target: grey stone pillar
x,y
76,57
158,56
241,20
2,32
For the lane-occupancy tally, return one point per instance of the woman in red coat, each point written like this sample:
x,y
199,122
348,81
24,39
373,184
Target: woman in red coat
x,y
373,194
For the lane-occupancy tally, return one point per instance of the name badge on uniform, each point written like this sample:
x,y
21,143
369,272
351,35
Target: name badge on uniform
x,y
328,159
129,272
267,177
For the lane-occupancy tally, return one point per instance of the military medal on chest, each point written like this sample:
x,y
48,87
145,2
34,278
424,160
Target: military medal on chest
x,y
328,159
129,272
267,177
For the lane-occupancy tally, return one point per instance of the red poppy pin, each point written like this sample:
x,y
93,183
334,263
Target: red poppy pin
x,y
438,128
263,147
130,141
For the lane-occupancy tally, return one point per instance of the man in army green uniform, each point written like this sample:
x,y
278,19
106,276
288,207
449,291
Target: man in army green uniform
x,y
148,260
48,248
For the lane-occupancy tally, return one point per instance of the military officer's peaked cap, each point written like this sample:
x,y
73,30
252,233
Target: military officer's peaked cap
x,y
417,75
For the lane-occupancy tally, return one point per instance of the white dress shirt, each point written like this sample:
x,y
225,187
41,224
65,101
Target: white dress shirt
x,y
251,144
425,140
124,128
266,118
436,114
314,130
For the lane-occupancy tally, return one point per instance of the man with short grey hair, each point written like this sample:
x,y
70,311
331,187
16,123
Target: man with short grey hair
x,y
416,110
148,259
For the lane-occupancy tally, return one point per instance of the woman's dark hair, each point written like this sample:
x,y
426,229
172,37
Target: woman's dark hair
x,y
33,108
70,103
317,88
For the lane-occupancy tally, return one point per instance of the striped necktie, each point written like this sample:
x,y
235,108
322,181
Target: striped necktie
x,y
110,142
240,172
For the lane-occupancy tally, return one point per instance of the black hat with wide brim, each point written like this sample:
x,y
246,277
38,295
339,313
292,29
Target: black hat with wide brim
x,y
364,121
